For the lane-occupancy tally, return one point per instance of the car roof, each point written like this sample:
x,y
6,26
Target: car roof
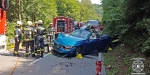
x,y
84,27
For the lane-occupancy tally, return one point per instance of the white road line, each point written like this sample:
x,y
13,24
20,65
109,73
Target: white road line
x,y
37,60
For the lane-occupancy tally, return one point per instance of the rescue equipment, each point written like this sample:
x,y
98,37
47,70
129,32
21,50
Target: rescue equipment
x,y
98,67
79,56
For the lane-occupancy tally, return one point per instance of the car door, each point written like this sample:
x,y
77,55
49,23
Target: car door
x,y
91,43
102,42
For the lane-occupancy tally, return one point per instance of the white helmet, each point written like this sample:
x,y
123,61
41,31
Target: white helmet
x,y
29,23
40,22
19,22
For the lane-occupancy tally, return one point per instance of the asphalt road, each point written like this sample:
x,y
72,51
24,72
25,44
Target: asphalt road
x,y
49,65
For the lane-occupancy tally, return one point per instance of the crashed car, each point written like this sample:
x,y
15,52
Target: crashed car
x,y
80,41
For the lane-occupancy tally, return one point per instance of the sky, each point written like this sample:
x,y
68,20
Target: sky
x,y
96,1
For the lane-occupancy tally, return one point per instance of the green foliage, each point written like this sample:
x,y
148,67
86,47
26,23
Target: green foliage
x,y
113,17
36,10
99,11
12,11
11,28
69,8
87,11
130,19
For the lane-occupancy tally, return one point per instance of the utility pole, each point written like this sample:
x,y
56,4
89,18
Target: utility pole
x,y
19,10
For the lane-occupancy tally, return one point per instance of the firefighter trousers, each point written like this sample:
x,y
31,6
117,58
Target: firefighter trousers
x,y
40,45
16,47
35,46
50,38
30,44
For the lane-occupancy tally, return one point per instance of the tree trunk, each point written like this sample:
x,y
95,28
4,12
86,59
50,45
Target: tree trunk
x,y
19,10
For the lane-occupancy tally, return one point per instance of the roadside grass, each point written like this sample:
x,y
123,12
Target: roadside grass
x,y
9,46
120,60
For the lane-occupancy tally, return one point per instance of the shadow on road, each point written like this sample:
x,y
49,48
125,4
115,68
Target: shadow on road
x,y
9,62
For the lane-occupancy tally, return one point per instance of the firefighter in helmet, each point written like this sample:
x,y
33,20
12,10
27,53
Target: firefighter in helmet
x,y
51,33
40,31
28,38
18,36
34,35
90,28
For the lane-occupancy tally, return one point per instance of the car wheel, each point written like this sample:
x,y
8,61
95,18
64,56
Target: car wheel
x,y
78,51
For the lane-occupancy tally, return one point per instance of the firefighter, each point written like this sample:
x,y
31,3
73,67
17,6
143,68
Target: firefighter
x,y
92,29
18,35
50,36
62,27
36,24
40,31
51,33
77,27
34,34
28,38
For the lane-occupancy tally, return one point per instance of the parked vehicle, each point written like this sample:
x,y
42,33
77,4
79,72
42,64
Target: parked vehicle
x,y
95,24
63,24
3,26
80,41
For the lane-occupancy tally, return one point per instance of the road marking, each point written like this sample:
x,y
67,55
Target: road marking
x,y
37,59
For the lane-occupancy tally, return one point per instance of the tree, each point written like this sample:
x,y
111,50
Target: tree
x,y
40,10
130,19
113,17
69,8
87,10
12,11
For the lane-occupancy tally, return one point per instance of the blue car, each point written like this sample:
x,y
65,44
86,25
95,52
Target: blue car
x,y
80,41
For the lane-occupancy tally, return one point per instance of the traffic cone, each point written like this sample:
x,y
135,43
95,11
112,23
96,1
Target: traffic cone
x,y
79,56
109,48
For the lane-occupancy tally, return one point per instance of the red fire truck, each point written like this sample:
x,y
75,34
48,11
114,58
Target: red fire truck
x,y
63,24
3,26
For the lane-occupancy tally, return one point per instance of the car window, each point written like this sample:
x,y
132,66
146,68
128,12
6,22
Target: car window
x,y
80,33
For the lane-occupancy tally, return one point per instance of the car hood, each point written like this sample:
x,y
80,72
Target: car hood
x,y
68,40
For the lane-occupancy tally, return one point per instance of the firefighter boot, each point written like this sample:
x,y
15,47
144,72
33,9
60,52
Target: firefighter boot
x,y
42,54
15,53
27,54
35,50
33,54
38,54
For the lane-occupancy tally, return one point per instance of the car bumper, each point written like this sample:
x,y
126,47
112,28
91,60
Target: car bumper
x,y
63,51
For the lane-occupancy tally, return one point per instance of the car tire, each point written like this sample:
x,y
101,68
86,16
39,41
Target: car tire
x,y
78,51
